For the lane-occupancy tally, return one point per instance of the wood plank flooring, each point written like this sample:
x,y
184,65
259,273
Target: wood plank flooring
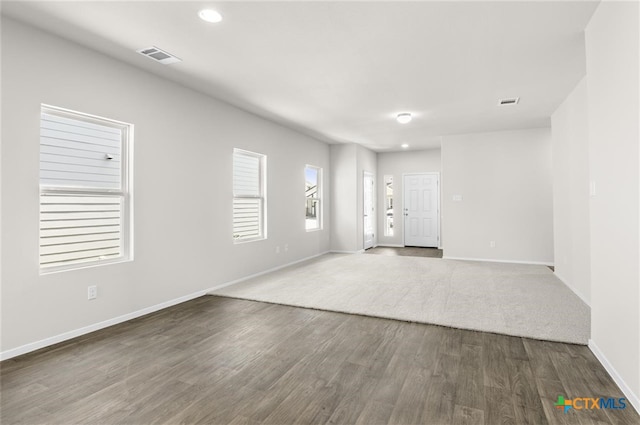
x,y
405,251
224,361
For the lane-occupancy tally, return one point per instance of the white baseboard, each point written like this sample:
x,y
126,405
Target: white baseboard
x,y
242,279
633,398
33,346
390,245
333,251
584,300
537,263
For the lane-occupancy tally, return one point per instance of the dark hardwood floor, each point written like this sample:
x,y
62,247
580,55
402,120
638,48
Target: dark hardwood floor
x,y
223,361
405,251
411,251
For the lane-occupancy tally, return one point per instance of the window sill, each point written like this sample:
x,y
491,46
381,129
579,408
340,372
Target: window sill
x,y
80,266
243,241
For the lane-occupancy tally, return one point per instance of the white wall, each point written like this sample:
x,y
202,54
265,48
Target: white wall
x,y
505,181
344,216
569,133
612,52
183,151
396,164
348,164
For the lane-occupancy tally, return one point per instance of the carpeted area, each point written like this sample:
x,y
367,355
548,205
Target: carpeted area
x,y
511,299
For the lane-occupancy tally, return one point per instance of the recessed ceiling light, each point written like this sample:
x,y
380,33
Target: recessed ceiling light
x,y
404,118
404,145
210,15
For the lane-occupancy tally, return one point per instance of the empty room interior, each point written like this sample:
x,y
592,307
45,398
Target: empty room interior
x,y
346,212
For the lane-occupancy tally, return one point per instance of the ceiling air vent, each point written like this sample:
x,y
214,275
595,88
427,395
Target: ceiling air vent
x,y
159,55
511,101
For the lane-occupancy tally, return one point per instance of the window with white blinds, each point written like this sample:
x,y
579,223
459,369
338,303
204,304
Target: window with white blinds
x,y
84,189
248,196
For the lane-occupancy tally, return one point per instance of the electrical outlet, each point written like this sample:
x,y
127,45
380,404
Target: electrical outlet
x,y
92,292
286,247
492,244
277,250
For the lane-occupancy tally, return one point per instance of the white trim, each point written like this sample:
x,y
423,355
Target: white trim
x,y
439,236
374,199
319,196
88,265
346,252
390,245
634,400
584,300
125,191
261,196
539,263
242,279
33,346
72,112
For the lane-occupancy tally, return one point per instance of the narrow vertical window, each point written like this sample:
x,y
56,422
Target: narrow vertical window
x,y
248,196
313,194
388,199
84,189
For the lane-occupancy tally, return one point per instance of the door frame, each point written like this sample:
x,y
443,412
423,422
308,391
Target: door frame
x,y
373,205
439,198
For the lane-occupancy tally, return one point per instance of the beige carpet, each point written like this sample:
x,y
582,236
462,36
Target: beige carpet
x,y
512,299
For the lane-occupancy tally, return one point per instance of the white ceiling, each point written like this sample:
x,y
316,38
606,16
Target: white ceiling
x,y
341,71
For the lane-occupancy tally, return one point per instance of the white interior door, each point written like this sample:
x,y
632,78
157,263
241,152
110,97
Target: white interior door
x,y
422,210
368,210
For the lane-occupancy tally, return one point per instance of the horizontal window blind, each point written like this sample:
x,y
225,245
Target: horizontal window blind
x,y
84,200
246,174
79,229
248,197
79,154
246,218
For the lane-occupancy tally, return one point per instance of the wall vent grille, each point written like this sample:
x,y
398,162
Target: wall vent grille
x,y
510,101
159,55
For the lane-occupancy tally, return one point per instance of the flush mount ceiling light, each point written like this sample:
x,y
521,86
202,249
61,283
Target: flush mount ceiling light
x,y
404,118
404,145
210,15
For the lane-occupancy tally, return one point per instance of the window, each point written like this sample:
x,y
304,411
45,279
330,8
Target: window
x,y
313,193
248,196
84,190
388,200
